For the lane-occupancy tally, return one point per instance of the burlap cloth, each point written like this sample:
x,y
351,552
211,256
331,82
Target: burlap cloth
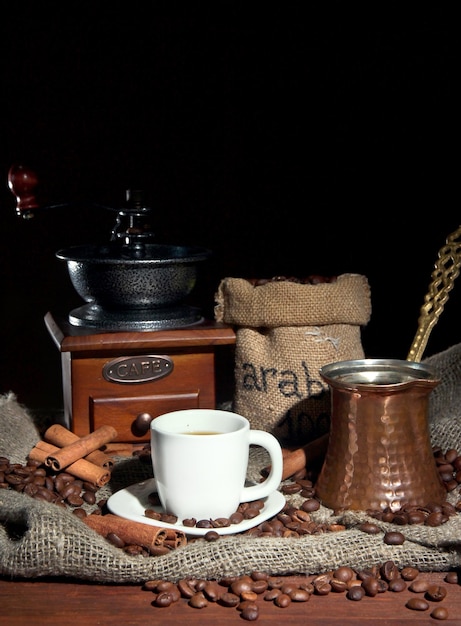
x,y
40,539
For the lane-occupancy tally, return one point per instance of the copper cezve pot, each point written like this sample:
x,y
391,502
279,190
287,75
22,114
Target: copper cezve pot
x,y
379,452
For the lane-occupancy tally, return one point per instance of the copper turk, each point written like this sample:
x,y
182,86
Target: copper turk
x,y
379,452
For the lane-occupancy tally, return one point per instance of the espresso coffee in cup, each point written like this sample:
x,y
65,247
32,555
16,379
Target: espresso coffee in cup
x,y
200,460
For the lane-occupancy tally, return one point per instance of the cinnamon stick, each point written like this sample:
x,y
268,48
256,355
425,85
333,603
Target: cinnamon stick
x,y
81,448
308,455
137,533
85,470
60,436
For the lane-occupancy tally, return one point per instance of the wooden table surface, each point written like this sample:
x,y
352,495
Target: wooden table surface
x,y
60,601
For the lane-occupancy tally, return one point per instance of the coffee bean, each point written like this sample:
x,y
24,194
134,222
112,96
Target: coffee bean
x,y
300,595
259,586
440,613
211,535
419,586
250,612
271,594
417,604
389,570
452,578
249,596
44,493
394,538
416,517
229,599
436,593
448,509
397,585
31,489
171,588
355,593
74,500
291,488
363,574
338,586
204,523
310,505
134,550
220,522
409,573
371,586
212,591
308,484
163,599
369,528
242,584
185,589
13,479
236,518
251,512
288,587
154,499
436,518
322,585
344,573
90,486
283,600
244,604
89,497
198,600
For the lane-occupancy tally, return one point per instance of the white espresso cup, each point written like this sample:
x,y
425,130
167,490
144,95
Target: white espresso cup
x,y
200,460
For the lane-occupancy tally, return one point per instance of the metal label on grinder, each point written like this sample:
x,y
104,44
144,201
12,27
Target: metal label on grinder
x,y
137,369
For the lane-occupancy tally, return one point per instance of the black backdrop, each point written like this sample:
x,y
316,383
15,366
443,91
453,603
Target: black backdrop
x,y
289,141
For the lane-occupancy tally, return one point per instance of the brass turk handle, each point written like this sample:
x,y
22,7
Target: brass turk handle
x,y
446,271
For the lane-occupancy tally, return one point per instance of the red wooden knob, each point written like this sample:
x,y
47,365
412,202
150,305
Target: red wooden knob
x,y
23,183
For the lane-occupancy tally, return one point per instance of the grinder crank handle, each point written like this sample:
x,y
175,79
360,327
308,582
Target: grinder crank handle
x,y
447,268
23,184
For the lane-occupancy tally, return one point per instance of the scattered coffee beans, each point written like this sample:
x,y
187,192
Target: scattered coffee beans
x,y
245,592
312,279
42,483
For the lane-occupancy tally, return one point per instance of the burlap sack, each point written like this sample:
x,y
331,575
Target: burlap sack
x,y
41,538
285,332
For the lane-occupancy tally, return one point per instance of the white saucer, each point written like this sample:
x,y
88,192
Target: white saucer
x,y
131,503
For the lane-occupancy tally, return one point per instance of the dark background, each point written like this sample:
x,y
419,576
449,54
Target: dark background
x,y
290,141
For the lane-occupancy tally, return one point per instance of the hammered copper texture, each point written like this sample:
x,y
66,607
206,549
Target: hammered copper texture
x,y
379,453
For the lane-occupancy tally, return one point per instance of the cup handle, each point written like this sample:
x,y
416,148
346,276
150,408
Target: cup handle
x,y
272,482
